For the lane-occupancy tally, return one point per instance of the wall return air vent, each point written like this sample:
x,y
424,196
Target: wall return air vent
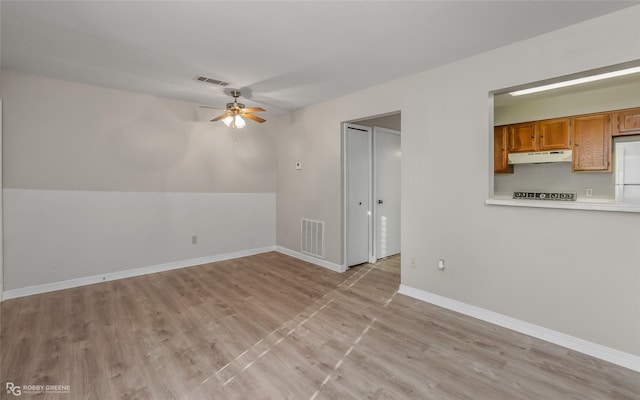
x,y
212,81
312,237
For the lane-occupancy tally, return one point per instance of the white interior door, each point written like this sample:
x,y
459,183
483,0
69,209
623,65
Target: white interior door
x,y
358,193
387,191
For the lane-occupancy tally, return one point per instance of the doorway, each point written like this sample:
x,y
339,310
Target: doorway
x,y
371,187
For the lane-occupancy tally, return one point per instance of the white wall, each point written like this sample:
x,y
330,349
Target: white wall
x,y
312,135
575,272
70,136
1,207
99,180
58,235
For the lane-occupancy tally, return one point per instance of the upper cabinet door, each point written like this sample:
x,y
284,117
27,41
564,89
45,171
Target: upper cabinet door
x,y
500,154
591,143
626,122
553,134
522,137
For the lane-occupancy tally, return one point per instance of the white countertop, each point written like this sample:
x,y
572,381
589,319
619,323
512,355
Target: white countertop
x,y
580,204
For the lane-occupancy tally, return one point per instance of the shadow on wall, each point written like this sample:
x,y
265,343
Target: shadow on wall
x,y
156,139
251,148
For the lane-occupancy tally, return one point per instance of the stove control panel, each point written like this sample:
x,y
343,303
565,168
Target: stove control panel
x,y
544,196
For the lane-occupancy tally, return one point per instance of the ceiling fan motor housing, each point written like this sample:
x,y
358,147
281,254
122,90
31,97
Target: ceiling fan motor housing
x,y
234,105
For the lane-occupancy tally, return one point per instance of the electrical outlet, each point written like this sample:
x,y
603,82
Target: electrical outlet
x,y
298,165
588,192
194,239
413,262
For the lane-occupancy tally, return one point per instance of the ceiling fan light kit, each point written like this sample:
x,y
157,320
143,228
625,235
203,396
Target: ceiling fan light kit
x,y
234,121
232,117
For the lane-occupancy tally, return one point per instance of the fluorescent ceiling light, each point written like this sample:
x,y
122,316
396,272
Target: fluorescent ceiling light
x,y
576,81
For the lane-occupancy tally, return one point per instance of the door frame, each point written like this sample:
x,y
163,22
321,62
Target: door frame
x,y
374,192
345,186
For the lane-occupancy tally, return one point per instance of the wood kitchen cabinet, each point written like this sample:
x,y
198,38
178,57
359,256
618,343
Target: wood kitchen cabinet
x,y
550,134
500,153
522,137
553,134
626,122
588,136
592,143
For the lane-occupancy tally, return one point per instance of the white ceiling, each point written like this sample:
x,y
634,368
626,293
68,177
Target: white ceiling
x,y
282,55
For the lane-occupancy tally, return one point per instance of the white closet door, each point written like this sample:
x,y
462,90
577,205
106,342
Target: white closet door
x,y
387,191
358,183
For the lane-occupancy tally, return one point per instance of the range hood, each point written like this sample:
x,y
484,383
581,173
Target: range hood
x,y
540,157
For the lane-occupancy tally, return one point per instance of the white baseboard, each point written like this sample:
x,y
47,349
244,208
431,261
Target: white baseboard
x,y
90,280
312,260
614,356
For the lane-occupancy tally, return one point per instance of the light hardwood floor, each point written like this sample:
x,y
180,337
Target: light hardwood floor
x,y
273,327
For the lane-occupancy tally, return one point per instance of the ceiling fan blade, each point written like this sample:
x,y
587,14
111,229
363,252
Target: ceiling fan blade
x,y
214,108
254,109
253,117
218,118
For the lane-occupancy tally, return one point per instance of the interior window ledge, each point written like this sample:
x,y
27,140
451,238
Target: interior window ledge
x,y
595,205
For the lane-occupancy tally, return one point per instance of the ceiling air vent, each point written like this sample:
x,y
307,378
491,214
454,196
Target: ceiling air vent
x,y
211,80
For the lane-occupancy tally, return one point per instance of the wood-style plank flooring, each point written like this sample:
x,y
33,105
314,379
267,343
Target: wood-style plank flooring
x,y
273,327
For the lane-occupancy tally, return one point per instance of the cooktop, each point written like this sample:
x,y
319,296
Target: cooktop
x,y
544,196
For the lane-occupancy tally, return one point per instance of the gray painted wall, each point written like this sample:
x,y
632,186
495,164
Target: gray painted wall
x,y
572,271
1,205
71,136
99,181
